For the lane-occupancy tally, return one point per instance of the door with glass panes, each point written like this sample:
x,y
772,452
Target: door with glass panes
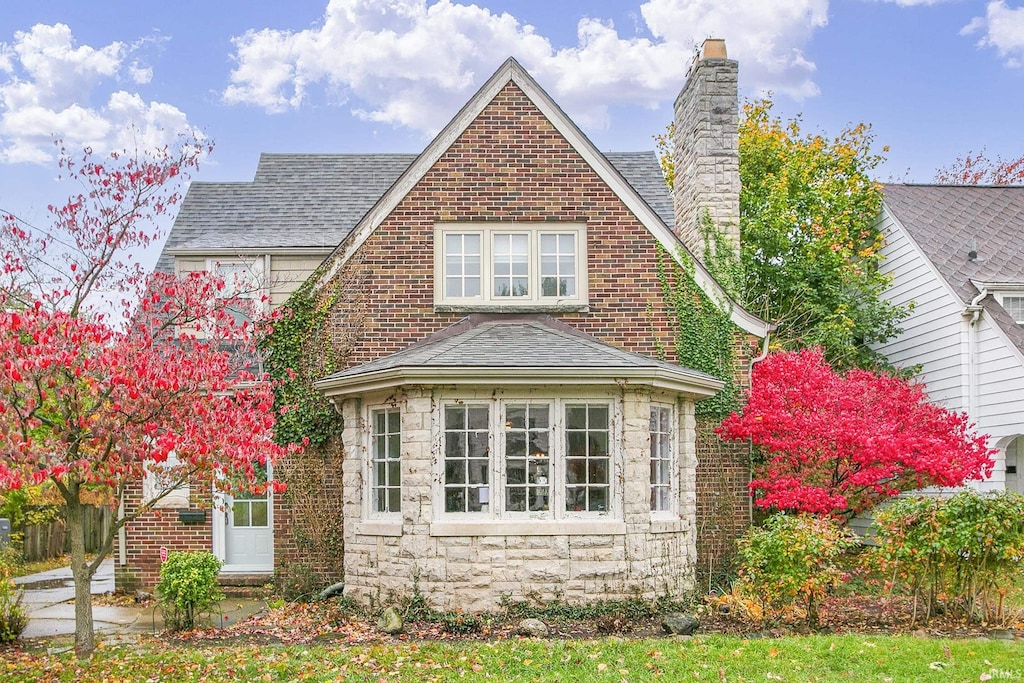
x,y
249,538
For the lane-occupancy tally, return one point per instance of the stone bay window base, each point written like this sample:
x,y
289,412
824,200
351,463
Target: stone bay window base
x,y
534,537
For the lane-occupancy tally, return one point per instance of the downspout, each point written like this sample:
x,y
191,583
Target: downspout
x,y
973,312
750,372
122,535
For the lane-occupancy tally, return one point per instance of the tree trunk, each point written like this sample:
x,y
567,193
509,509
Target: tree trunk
x,y
85,639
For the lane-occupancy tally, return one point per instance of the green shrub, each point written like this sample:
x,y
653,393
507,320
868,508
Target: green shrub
x,y
13,619
958,553
188,588
790,562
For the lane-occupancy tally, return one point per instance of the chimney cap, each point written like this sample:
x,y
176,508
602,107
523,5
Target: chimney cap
x,y
713,48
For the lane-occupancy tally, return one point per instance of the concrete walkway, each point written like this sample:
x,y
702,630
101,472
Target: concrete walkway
x,y
49,601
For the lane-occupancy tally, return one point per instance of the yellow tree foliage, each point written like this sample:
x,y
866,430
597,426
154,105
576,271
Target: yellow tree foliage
x,y
810,245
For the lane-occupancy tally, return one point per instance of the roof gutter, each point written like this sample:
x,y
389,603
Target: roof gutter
x,y
697,385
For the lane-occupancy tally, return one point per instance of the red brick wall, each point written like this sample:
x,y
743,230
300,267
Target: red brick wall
x,y
510,165
147,534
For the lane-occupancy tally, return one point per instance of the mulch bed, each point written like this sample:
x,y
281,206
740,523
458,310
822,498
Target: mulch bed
x,y
328,623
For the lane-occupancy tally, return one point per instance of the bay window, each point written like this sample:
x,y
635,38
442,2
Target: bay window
x,y
661,458
544,459
385,461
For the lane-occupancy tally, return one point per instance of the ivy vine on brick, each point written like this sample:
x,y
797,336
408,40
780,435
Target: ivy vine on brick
x,y
704,332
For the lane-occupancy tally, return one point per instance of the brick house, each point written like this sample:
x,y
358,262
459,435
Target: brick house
x,y
514,420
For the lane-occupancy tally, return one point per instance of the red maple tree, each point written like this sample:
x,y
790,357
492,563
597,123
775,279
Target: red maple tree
x,y
837,444
107,370
978,169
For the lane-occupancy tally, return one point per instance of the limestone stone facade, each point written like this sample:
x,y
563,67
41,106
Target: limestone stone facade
x,y
470,564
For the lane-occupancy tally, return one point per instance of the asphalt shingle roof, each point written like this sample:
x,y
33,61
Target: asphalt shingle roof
x,y
314,200
947,221
528,341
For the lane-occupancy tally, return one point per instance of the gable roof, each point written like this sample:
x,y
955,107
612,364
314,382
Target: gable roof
x,y
515,349
948,221
312,201
512,72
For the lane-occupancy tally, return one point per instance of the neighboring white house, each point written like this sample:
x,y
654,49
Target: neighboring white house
x,y
957,254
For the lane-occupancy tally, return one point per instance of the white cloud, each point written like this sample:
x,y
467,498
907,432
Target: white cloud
x,y
408,63
1001,28
55,88
915,3
140,74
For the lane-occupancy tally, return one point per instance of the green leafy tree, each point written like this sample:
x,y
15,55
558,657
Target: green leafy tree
x,y
810,246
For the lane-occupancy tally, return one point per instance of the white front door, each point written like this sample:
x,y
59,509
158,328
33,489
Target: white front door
x,y
249,537
244,532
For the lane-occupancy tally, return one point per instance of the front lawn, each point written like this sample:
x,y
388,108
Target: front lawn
x,y
704,658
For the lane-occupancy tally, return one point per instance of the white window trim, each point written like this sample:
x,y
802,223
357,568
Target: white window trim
x,y
1013,293
496,467
258,267
152,486
674,466
486,300
369,512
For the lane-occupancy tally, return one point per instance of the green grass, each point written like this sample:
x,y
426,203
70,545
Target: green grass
x,y
713,658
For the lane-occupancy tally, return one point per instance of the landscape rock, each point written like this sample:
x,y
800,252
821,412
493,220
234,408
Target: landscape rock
x,y
679,623
534,628
1002,634
390,621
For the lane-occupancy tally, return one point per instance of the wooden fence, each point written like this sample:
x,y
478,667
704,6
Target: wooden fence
x,y
43,541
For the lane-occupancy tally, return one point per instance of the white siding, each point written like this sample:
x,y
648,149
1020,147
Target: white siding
x,y
286,272
936,337
931,335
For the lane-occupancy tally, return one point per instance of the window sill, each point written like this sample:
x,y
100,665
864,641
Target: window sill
x,y
379,528
512,308
531,527
668,526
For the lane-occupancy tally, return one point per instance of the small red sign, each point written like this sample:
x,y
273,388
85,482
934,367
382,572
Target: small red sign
x,y
163,554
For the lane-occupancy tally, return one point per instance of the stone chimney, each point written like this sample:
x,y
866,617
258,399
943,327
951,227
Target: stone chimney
x,y
707,157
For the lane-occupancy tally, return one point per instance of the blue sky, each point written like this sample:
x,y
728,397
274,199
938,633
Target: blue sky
x,y
935,78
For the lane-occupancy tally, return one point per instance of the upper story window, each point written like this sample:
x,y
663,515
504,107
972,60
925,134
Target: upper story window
x,y
243,293
510,264
1014,305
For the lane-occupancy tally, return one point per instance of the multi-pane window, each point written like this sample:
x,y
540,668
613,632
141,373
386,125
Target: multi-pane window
x,y
558,265
386,461
1014,305
508,264
466,458
661,458
548,459
527,457
251,508
462,266
241,293
587,458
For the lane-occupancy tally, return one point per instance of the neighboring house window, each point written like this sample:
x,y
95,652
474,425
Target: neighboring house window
x,y
661,458
386,461
550,459
161,483
510,264
1014,305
